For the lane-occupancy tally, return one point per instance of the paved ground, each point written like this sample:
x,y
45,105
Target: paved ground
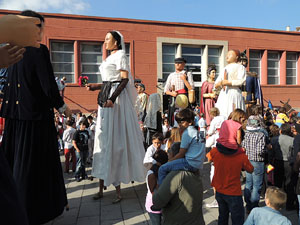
x,y
85,211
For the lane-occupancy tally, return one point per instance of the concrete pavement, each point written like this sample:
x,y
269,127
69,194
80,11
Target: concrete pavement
x,y
86,211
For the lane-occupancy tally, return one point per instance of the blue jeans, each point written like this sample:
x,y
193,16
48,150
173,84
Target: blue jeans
x,y
81,158
253,186
230,204
178,164
155,218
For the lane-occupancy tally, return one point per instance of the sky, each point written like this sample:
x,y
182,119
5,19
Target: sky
x,y
266,14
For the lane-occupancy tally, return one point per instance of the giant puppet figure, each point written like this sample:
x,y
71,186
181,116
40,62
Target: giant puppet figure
x,y
252,89
177,85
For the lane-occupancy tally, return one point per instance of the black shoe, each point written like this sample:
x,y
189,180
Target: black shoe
x,y
85,177
77,179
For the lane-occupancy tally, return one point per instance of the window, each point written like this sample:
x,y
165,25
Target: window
x,y
291,67
273,67
91,58
192,55
127,50
255,62
168,56
214,58
62,57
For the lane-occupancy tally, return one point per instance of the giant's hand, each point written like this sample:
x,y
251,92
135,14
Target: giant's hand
x,y
20,30
9,55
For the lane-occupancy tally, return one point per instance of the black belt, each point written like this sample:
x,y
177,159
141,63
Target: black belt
x,y
117,81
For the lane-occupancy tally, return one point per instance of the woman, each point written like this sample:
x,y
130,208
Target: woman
x,y
30,138
118,148
208,98
231,79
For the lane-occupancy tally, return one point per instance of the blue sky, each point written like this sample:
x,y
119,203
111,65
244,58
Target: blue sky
x,y
268,14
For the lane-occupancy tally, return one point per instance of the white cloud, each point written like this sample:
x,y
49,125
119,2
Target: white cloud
x,y
58,6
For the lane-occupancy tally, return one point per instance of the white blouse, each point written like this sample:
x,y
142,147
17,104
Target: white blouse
x,y
111,67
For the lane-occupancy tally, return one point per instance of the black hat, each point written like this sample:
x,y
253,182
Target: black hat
x,y
180,60
141,85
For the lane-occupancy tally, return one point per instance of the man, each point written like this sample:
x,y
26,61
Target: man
x,y
177,83
255,145
180,195
141,101
179,185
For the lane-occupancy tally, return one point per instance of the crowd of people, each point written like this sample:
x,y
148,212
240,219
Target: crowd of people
x,y
131,139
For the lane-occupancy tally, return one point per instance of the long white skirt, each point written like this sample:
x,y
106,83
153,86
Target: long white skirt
x,y
229,100
118,147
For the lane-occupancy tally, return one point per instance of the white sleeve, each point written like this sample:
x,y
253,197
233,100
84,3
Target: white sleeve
x,y
168,84
190,79
148,157
241,78
122,63
220,77
212,128
65,135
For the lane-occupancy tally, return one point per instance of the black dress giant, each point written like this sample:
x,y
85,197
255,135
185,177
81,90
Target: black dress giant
x,y
30,140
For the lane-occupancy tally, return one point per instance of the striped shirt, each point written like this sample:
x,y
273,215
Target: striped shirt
x,y
255,145
174,79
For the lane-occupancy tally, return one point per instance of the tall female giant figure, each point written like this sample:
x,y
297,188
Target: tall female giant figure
x,y
30,140
118,149
208,98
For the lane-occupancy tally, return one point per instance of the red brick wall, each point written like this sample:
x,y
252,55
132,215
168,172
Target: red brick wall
x,y
142,37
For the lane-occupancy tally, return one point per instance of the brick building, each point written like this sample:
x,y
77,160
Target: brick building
x,y
76,48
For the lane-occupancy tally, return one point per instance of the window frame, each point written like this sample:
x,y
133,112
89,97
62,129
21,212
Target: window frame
x,y
270,68
61,74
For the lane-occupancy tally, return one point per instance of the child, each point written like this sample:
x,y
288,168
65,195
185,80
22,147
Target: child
x,y
202,125
175,137
157,140
281,117
192,147
151,180
230,136
68,146
80,143
166,127
214,128
213,135
275,200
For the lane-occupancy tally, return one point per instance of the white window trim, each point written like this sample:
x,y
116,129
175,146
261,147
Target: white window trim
x,y
258,59
278,68
296,60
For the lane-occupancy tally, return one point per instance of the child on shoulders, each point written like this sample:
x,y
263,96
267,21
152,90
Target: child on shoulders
x,y
230,136
192,148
